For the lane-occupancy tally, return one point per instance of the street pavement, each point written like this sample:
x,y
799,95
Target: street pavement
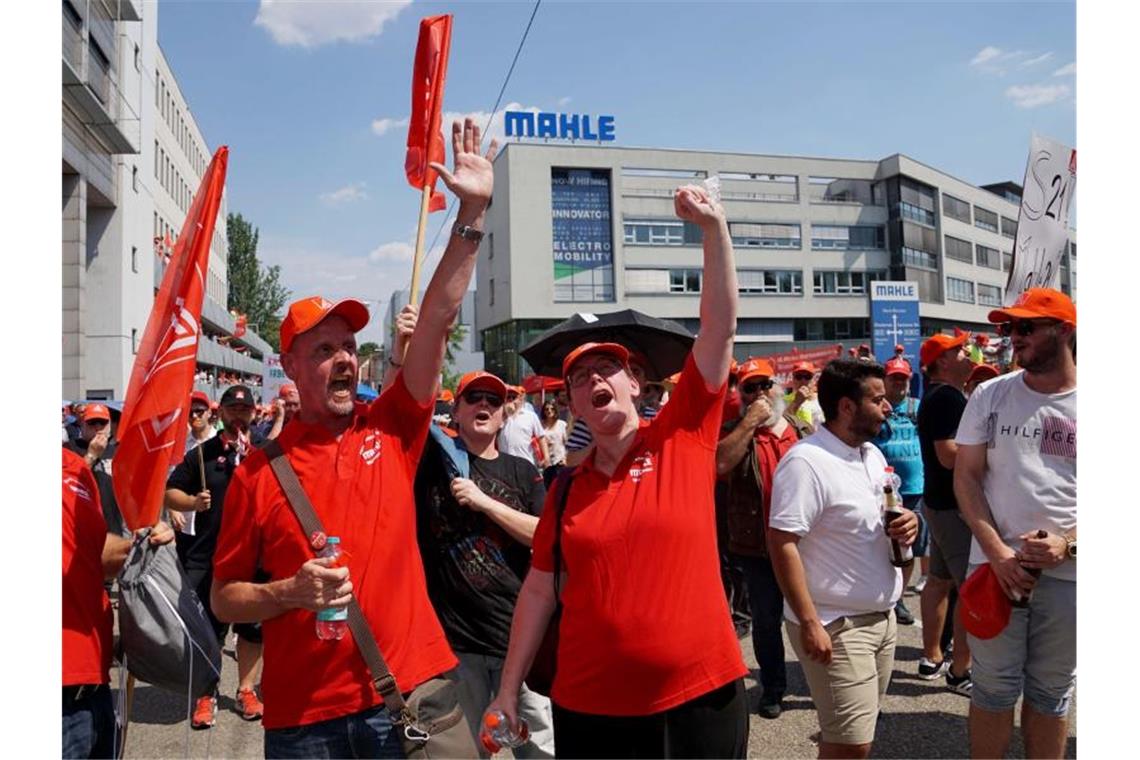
x,y
920,719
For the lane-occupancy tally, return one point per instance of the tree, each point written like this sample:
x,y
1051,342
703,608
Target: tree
x,y
454,345
254,290
367,349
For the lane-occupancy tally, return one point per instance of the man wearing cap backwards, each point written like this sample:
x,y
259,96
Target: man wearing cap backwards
x,y
946,360
746,457
474,536
1016,475
802,401
648,663
356,463
898,440
832,556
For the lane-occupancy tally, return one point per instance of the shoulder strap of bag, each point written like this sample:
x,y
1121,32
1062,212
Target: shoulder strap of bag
x,y
382,677
562,493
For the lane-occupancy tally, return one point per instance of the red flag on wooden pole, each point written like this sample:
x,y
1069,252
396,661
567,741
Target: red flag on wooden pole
x,y
425,138
152,431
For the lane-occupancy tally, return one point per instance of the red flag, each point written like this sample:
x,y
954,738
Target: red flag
x,y
425,138
152,431
240,325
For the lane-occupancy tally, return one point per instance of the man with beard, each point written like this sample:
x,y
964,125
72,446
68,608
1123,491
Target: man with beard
x,y
215,460
475,535
356,463
947,362
832,557
746,458
1016,481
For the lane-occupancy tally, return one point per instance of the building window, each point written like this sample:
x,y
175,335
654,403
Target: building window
x,y
1006,261
751,235
769,282
955,209
916,214
1008,227
913,257
684,281
989,295
138,67
843,283
986,220
135,177
134,258
959,290
830,329
867,237
490,246
492,291
654,232
959,250
134,340
989,257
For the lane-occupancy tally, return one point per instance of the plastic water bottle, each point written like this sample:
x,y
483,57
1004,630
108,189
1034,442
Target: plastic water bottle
x,y
332,622
900,555
496,734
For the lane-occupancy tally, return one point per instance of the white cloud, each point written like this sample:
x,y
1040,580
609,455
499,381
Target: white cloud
x,y
393,251
346,194
1036,60
993,59
564,101
1069,69
381,127
1034,95
985,55
310,24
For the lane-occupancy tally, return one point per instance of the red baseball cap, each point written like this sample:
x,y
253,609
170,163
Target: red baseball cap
x,y
96,412
982,372
985,607
200,397
307,313
1038,303
481,379
936,345
898,366
613,349
755,368
286,388
803,367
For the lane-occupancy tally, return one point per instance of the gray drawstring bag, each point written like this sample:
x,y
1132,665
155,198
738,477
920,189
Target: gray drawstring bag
x,y
164,635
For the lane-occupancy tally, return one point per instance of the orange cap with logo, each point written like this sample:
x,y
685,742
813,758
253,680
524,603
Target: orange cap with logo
x,y
755,368
307,313
936,345
1038,303
616,350
96,412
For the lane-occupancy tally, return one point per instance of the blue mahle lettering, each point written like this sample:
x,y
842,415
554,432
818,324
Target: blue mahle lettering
x,y
568,126
606,128
519,123
547,125
586,133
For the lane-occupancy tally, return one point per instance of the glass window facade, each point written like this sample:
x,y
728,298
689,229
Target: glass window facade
x,y
986,220
860,237
989,257
989,295
959,290
955,208
959,250
769,282
762,235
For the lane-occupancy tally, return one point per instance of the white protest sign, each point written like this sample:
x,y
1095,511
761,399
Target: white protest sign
x,y
272,378
1043,221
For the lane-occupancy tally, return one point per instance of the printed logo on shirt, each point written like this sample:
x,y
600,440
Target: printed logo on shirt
x,y
641,465
370,448
77,488
1059,437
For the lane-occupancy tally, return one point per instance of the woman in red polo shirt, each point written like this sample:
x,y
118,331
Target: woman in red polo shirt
x,y
648,661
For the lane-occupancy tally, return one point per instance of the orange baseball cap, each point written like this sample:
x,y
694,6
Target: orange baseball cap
x,y
481,379
307,313
613,349
755,368
982,372
1038,303
803,367
96,412
286,388
898,366
936,345
446,395
985,607
200,397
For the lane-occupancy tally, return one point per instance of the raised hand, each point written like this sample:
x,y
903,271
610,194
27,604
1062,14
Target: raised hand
x,y
474,177
693,204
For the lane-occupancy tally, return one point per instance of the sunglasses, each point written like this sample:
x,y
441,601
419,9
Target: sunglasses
x,y
97,423
198,411
803,376
1022,327
494,400
605,367
756,385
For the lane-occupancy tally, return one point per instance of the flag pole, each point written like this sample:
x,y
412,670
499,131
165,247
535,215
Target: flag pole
x,y
425,200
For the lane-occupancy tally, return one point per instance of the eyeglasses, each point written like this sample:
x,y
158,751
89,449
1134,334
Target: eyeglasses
x,y
494,400
756,385
198,411
606,367
1022,327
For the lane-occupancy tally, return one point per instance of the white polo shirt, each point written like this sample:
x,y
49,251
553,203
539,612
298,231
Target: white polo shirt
x,y
829,494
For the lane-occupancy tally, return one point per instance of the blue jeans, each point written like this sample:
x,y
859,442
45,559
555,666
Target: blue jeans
x,y
767,605
368,733
921,546
88,723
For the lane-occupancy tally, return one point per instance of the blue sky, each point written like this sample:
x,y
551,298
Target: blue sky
x,y
311,97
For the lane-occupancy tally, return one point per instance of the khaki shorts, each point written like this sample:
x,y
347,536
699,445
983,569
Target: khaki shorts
x,y
848,692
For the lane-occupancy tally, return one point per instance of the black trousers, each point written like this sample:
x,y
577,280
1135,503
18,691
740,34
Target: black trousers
x,y
712,725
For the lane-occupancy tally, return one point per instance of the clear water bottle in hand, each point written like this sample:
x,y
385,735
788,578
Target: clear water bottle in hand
x,y
332,622
892,510
496,733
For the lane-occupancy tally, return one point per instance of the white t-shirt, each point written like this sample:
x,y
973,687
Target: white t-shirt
x,y
556,441
517,433
830,495
1031,460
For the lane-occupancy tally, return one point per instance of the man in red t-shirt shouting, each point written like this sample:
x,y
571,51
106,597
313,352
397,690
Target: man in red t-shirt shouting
x,y
356,463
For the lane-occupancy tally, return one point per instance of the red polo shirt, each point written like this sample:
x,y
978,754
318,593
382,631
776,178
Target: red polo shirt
x,y
645,624
770,449
361,488
87,621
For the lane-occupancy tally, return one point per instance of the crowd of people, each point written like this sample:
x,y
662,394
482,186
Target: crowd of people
x,y
625,531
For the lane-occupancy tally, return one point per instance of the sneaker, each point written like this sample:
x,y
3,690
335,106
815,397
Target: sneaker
x,y
948,652
249,706
959,684
204,710
919,585
769,710
928,669
902,614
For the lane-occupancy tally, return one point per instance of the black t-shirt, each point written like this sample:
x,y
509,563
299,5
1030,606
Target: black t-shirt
x,y
102,472
220,460
938,416
474,568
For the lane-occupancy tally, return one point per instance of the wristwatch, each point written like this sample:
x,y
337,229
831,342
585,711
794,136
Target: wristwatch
x,y
467,232
1071,547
